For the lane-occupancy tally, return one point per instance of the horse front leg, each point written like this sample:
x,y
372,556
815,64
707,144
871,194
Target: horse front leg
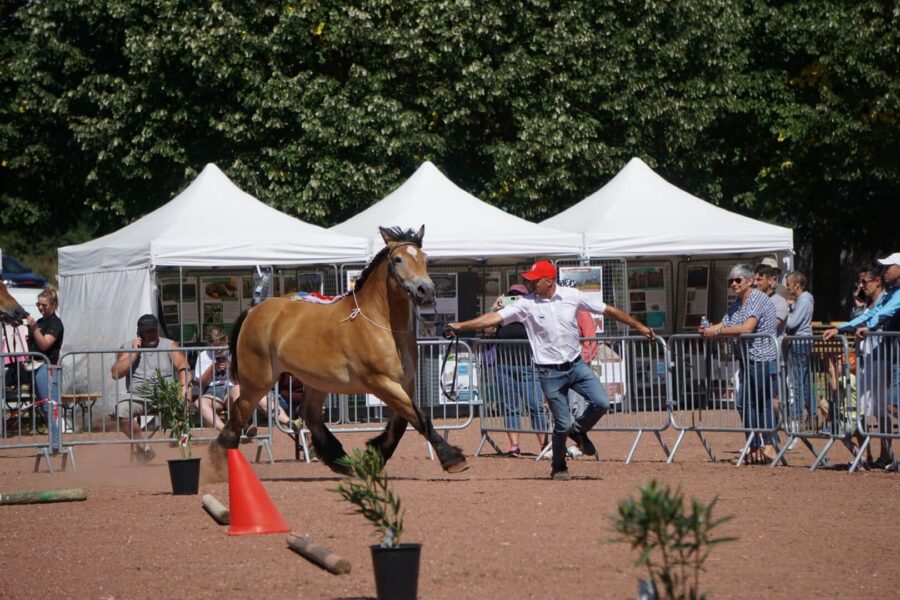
x,y
386,442
230,436
400,401
327,446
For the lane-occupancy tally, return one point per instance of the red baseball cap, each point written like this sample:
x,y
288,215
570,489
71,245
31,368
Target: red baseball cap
x,y
540,270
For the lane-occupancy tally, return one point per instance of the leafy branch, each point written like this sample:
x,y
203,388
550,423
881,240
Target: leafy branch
x,y
164,396
366,488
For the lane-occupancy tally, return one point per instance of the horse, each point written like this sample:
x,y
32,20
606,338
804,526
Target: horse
x,y
363,343
10,310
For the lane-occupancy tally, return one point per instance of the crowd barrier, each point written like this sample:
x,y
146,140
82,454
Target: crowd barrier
x,y
878,385
719,386
687,383
632,370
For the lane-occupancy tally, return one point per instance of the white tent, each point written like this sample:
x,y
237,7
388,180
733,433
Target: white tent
x,y
106,284
638,213
457,224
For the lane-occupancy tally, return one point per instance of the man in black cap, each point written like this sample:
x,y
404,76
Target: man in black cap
x,y
139,368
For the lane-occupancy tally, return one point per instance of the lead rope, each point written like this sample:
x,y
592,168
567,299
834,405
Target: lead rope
x,y
452,394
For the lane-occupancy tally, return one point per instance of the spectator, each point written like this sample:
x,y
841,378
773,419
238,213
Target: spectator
x,y
766,278
799,322
548,313
752,312
139,369
780,289
517,378
216,390
46,336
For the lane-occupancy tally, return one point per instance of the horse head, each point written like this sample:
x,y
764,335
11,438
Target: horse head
x,y
408,264
10,310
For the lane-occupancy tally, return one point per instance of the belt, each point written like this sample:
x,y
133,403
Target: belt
x,y
561,366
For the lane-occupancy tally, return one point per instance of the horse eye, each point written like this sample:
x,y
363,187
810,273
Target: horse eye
x,y
398,260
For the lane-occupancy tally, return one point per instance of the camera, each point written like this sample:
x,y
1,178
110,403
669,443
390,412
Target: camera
x,y
507,300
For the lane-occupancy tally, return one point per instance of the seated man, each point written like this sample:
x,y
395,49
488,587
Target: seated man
x,y
216,390
139,369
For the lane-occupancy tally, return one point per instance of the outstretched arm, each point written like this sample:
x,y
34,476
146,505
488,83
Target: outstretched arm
x,y
623,317
486,320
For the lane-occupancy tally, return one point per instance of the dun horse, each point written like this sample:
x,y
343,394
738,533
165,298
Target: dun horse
x,y
10,311
363,343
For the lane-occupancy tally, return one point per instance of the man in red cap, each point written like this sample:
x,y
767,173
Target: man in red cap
x,y
548,313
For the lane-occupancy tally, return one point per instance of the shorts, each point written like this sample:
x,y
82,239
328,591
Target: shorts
x,y
131,406
219,391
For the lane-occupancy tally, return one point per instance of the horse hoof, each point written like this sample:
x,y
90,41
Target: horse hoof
x,y
458,467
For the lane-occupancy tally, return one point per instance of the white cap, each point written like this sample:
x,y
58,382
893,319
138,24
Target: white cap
x,y
770,262
893,259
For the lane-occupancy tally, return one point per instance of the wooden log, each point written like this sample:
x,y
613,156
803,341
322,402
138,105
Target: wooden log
x,y
215,509
322,556
44,496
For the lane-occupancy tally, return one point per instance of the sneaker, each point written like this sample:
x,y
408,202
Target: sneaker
x,y
793,444
573,451
248,434
295,425
561,475
514,450
583,441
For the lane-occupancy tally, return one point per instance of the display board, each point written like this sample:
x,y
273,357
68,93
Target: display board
x,y
586,279
171,293
220,302
432,319
696,295
647,295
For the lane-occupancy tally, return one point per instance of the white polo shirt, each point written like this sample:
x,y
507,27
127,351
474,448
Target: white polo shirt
x,y
551,324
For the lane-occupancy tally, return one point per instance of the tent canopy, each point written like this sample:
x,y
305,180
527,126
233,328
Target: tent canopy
x,y
457,224
212,223
638,213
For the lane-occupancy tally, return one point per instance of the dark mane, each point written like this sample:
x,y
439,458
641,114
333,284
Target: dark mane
x,y
396,234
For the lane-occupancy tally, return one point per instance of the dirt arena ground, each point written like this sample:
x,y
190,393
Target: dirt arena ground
x,y
500,530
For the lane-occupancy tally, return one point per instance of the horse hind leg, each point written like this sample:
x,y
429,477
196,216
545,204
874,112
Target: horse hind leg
x,y
326,444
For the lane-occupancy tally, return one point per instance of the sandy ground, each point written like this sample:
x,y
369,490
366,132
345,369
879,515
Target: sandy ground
x,y
500,530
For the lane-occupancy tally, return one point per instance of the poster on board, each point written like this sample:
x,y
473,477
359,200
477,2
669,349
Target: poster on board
x,y
586,279
220,302
647,296
696,295
184,319
432,319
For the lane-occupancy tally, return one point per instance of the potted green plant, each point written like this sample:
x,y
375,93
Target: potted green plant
x,y
366,487
165,398
673,541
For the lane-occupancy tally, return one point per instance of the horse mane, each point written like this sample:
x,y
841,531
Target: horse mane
x,y
396,234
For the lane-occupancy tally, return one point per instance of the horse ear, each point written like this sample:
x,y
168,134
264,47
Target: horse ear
x,y
386,234
419,235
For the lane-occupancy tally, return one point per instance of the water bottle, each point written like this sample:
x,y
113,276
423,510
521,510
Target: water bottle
x,y
704,322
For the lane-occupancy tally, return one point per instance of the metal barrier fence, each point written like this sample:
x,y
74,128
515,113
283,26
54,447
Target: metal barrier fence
x,y
726,385
633,371
820,400
29,403
878,378
365,413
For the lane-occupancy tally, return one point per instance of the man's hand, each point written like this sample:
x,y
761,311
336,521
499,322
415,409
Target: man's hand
x,y
136,343
829,333
451,330
646,332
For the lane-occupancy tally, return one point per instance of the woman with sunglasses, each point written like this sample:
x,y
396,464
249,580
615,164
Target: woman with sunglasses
x,y
45,335
752,312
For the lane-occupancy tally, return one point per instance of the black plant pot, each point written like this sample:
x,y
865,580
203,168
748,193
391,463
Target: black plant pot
x,y
396,571
185,476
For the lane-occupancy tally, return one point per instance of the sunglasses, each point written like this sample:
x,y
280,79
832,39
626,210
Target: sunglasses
x,y
865,281
39,305
737,280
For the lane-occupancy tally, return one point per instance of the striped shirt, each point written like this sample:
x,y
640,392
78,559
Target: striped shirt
x,y
760,306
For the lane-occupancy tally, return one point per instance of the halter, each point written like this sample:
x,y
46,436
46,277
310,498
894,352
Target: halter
x,y
357,311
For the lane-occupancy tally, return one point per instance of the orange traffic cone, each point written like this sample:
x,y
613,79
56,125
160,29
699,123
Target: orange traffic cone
x,y
250,508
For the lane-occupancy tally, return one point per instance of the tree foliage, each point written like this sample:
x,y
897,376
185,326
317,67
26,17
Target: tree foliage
x,y
782,110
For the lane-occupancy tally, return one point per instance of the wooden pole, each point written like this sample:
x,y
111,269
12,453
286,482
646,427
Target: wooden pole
x,y
44,496
215,509
322,556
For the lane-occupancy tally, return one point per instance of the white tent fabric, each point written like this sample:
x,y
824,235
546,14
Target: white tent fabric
x,y
106,284
457,224
638,213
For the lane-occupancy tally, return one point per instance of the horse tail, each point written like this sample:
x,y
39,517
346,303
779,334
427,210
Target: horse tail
x,y
232,345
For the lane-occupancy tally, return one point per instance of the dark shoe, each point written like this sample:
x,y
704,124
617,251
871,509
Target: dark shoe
x,y
248,434
514,450
561,475
583,442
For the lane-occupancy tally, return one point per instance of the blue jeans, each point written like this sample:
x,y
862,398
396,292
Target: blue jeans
x,y
520,381
798,361
47,388
556,385
756,409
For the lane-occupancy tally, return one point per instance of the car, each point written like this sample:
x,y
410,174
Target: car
x,y
16,274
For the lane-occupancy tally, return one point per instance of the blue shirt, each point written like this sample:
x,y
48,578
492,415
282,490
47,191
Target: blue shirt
x,y
799,321
884,309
